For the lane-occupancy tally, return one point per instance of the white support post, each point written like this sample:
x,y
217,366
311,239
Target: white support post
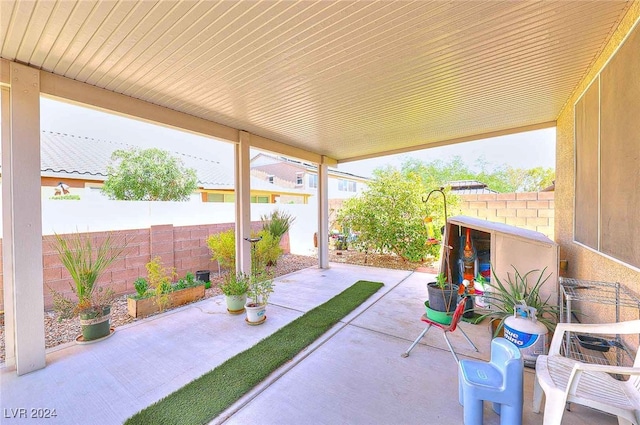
x,y
243,203
323,215
22,221
7,266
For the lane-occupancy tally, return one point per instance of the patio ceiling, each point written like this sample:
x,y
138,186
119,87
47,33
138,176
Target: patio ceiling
x,y
344,79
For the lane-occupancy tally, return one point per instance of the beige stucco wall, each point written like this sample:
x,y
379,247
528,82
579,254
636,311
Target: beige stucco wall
x,y
584,263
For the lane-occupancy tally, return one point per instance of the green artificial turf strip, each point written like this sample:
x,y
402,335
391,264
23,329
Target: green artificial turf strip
x,y
203,399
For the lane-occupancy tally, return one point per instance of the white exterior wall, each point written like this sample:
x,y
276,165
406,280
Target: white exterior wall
x,y
335,193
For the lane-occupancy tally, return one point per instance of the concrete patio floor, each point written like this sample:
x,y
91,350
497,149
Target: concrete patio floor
x,y
352,375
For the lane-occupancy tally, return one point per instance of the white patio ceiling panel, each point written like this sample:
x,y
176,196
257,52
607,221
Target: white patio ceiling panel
x,y
344,79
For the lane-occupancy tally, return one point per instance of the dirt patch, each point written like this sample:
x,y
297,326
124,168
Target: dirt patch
x,y
386,261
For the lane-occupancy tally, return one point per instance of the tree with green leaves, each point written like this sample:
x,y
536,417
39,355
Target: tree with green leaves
x,y
503,179
389,216
148,175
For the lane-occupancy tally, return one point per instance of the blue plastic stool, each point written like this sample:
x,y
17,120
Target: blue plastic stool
x,y
499,381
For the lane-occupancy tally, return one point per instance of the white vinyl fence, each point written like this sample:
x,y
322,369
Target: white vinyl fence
x,y
96,213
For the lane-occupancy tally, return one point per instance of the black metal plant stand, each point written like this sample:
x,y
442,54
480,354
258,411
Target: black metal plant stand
x,y
254,265
445,245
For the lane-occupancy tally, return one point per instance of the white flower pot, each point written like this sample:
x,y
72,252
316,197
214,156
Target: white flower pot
x,y
256,314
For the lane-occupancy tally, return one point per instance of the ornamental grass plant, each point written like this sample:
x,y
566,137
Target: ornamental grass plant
x,y
85,260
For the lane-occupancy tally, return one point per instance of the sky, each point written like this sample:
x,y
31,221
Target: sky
x,y
523,150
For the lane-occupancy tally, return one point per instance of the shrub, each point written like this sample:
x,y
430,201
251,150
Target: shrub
x,y
160,281
278,223
223,248
267,250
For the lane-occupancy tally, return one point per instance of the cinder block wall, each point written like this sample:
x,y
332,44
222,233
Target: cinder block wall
x,y
529,210
182,247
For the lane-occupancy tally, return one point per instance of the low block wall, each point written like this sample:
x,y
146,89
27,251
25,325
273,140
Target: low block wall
x,y
529,210
182,247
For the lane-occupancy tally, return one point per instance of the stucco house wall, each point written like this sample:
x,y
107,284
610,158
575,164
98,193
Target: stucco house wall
x,y
584,263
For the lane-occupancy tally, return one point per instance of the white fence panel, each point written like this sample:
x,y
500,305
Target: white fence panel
x,y
95,214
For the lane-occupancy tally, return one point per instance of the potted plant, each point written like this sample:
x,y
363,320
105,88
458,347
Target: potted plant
x,y
502,298
260,288
235,287
85,262
443,297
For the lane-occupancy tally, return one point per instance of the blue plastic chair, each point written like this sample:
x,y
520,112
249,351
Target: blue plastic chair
x,y
499,381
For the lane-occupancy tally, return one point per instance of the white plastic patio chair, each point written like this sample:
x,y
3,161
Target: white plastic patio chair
x,y
565,380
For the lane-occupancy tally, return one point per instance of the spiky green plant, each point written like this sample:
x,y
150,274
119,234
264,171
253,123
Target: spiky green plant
x,y
503,297
85,262
277,223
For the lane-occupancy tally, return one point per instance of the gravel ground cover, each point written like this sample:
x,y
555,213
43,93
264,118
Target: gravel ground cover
x,y
57,333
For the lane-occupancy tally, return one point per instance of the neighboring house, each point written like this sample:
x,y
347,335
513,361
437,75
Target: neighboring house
x,y
300,175
469,187
81,162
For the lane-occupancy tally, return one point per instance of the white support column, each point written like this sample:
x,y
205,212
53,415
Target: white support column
x,y
323,215
243,203
7,266
22,221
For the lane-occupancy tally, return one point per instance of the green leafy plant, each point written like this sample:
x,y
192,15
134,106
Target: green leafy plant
x,y
441,281
503,297
277,223
141,285
223,248
190,279
389,216
260,287
160,278
85,261
148,175
267,249
235,284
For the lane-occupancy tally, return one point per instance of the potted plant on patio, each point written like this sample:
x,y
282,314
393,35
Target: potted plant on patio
x,y
235,287
260,288
85,261
443,297
502,298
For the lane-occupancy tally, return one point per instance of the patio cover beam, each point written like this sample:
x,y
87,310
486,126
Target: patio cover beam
x,y
22,221
83,94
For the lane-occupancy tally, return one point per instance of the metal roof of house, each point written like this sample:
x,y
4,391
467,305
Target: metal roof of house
x,y
469,187
344,79
308,167
71,156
